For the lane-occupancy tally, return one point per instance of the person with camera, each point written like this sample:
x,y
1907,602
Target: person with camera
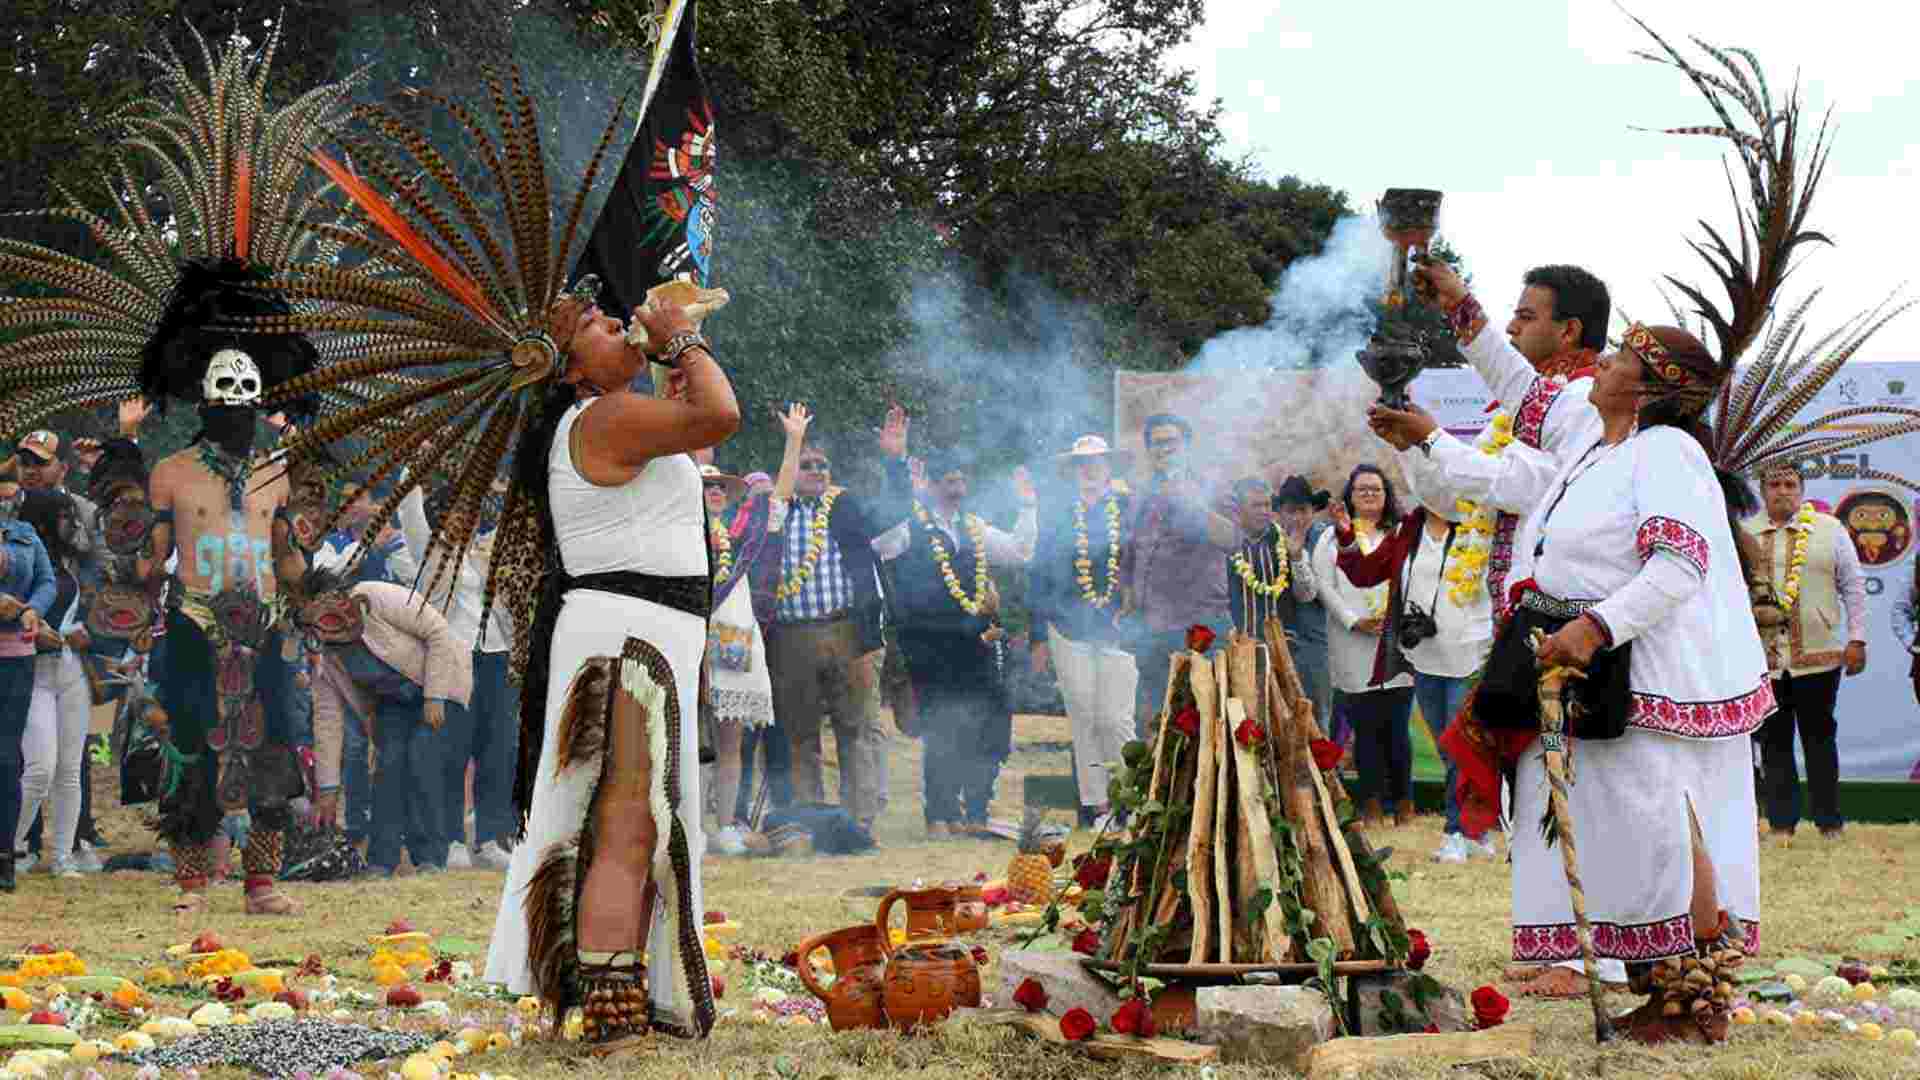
x,y
1377,698
1439,623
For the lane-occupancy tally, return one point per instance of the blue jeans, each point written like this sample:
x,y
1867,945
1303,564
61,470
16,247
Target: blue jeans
x,y
776,767
16,691
356,782
1382,748
412,769
1440,697
485,731
1310,660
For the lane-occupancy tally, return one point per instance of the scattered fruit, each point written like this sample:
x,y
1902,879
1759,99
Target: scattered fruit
x,y
1854,972
1871,1032
404,997
207,942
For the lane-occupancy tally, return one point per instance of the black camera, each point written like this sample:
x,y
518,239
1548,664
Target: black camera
x,y
1415,626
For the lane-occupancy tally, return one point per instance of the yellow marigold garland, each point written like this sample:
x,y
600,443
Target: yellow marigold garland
x,y
816,543
723,550
1473,538
1797,562
976,532
1083,564
1244,567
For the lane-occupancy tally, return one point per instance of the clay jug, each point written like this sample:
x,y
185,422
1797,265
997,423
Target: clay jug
x,y
927,980
859,964
929,912
969,908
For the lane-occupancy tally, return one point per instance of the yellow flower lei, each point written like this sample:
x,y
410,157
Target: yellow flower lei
x,y
1802,528
976,532
1244,567
723,546
1083,565
1473,538
816,543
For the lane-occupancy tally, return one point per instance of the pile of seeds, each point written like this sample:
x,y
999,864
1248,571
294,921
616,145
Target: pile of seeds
x,y
283,1047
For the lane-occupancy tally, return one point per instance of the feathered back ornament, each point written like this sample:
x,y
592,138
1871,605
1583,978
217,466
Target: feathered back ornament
x,y
1755,420
447,316
235,181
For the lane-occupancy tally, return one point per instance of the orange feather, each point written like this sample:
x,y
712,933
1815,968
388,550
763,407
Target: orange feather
x,y
390,221
242,204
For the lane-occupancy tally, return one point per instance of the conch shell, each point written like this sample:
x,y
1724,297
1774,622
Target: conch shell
x,y
698,302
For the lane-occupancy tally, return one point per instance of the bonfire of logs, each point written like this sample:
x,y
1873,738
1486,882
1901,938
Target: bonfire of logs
x,y
1257,798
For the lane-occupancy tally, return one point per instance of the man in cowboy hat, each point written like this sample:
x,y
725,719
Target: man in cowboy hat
x,y
1296,507
944,603
1074,593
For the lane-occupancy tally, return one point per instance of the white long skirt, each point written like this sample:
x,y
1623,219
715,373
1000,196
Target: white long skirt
x,y
1629,807
597,624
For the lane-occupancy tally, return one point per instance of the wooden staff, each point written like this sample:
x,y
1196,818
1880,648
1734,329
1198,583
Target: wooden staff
x,y
1553,736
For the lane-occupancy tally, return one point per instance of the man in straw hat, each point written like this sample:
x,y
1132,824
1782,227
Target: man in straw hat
x,y
1074,593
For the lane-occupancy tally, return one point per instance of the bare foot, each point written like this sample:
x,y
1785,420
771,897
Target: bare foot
x,y
626,1046
1557,982
189,903
1519,973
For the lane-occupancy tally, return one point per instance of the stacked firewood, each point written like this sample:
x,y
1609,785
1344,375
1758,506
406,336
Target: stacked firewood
x,y
1244,849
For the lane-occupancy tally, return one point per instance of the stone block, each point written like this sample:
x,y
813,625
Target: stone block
x,y
1277,1025
1068,985
1446,1009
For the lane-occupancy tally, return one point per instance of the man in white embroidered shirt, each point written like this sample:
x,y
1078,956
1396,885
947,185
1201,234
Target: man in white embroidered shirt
x,y
1810,562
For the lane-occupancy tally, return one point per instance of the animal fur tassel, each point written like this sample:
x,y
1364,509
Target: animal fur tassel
x,y
1553,735
585,713
551,941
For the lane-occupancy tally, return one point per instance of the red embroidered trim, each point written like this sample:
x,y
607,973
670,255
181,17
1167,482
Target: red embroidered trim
x,y
1554,942
1702,719
1531,417
1499,561
1467,319
1675,536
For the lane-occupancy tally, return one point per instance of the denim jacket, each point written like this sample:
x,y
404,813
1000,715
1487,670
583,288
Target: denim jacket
x,y
28,573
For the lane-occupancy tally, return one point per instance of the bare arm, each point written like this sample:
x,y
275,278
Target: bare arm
x,y
160,497
794,421
622,431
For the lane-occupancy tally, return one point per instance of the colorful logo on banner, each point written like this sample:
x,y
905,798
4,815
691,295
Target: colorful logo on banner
x,y
1880,524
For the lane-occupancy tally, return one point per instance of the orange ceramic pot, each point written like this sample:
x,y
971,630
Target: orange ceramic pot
x,y
926,981
859,964
930,912
969,908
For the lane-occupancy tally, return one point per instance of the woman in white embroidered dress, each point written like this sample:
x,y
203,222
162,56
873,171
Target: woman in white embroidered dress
x,y
1636,536
608,870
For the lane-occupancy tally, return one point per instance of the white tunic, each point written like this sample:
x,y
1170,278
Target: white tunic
x,y
652,524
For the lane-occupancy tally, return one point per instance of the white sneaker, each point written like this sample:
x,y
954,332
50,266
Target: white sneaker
x,y
730,841
24,862
86,860
1102,823
457,857
1453,849
63,868
492,856
1486,847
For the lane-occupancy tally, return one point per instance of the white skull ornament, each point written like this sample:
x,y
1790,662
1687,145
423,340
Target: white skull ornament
x,y
232,378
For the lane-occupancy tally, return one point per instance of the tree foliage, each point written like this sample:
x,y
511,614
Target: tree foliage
x,y
979,208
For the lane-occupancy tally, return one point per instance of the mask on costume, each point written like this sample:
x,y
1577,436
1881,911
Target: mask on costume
x,y
232,378
332,618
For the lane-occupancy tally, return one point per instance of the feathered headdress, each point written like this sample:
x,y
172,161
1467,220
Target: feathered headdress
x,y
1756,418
236,184
452,360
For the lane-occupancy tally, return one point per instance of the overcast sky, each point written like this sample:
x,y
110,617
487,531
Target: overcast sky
x,y
1524,113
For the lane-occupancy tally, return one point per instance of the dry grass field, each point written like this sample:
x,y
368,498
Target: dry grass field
x,y
1820,898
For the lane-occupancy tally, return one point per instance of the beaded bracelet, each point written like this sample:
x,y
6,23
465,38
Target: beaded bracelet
x,y
679,344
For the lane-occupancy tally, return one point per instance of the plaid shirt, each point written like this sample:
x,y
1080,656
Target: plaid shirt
x,y
828,591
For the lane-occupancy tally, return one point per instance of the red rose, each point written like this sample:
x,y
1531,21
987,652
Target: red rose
x,y
1030,996
1417,950
1077,1025
1489,1008
1326,753
1248,733
1091,873
1087,941
980,955
1199,638
1134,1018
719,986
1187,722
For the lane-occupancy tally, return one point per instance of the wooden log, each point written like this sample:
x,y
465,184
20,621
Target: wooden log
x,y
1200,883
1356,892
1305,969
1264,856
1340,1058
1321,888
1225,903
1288,675
1103,1046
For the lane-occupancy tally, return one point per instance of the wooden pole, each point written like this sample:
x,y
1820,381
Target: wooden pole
x,y
1200,884
1553,736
